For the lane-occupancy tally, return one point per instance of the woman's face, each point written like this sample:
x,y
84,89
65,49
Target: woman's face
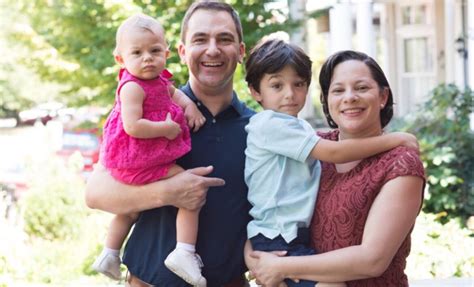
x,y
355,100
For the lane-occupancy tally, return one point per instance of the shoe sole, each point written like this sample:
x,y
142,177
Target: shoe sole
x,y
183,276
106,273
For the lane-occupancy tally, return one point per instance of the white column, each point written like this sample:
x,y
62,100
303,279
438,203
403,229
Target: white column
x,y
297,11
365,29
340,25
298,37
449,40
470,42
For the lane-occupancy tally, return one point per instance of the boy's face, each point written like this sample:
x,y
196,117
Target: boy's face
x,y
143,53
283,92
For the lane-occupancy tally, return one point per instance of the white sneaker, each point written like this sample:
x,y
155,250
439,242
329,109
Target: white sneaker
x,y
186,265
109,265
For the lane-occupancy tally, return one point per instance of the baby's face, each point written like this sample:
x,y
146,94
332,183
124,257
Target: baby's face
x,y
284,92
143,52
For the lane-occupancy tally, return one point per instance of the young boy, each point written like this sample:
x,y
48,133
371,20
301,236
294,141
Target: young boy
x,y
282,169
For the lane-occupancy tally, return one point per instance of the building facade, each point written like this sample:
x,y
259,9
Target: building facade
x,y
418,43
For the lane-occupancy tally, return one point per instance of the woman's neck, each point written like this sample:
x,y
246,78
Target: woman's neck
x,y
359,135
345,167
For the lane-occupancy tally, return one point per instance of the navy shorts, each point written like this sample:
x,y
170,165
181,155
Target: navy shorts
x,y
297,247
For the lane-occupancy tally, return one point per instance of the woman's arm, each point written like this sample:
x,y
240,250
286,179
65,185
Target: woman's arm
x,y
132,97
191,112
390,219
356,149
184,190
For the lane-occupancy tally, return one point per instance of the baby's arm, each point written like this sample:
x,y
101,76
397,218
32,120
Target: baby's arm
x,y
356,149
132,96
191,112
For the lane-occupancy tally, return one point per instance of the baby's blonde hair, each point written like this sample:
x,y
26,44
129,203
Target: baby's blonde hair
x,y
141,21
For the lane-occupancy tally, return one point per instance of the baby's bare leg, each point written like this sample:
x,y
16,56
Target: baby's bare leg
x,y
187,221
119,229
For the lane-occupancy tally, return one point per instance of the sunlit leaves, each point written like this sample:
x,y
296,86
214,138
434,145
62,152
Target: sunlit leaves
x,y
446,141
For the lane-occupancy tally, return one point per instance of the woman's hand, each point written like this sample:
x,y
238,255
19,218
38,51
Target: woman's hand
x,y
265,268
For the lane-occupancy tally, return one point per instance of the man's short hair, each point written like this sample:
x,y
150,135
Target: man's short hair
x,y
213,6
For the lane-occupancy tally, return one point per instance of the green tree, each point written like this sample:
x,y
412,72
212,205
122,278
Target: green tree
x,y
72,41
20,86
446,141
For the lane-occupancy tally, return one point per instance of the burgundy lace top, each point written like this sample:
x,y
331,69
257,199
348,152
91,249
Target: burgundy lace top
x,y
344,201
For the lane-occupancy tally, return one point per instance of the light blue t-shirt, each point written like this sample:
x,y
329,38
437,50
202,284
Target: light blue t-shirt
x,y
283,182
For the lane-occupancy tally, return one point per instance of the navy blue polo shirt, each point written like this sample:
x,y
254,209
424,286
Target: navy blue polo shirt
x,y
223,219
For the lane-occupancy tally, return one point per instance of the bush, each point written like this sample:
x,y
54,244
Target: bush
x,y
53,208
440,251
442,126
60,236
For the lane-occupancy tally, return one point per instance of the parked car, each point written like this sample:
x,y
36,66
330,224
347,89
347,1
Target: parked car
x,y
86,142
42,112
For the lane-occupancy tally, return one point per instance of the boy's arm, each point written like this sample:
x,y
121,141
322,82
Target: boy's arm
x,y
193,116
132,97
356,149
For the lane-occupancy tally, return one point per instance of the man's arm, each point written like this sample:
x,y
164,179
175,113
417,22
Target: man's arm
x,y
184,190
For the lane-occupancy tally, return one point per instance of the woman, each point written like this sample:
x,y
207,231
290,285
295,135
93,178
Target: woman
x,y
366,209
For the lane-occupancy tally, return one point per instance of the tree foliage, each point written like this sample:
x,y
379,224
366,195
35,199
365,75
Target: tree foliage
x,y
71,42
446,141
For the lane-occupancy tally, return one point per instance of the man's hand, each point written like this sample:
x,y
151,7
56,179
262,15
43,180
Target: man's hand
x,y
189,189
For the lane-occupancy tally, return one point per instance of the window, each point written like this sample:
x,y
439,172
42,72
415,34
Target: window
x,y
418,55
415,15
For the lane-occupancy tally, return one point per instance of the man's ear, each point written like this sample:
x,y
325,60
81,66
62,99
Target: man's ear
x,y
241,52
119,60
255,95
182,52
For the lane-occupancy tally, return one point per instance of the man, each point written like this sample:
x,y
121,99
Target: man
x,y
211,46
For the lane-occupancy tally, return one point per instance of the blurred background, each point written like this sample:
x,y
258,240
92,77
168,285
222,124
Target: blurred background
x,y
57,84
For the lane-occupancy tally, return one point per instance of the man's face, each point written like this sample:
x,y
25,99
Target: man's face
x,y
211,49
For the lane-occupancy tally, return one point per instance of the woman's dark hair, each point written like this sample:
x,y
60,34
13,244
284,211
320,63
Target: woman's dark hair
x,y
271,56
327,71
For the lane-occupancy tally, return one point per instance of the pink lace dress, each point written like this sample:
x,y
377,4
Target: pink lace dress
x,y
139,161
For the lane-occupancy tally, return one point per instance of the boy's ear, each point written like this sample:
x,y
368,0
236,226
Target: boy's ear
x,y
255,95
119,60
167,53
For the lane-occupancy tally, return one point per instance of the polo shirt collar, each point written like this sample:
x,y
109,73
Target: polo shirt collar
x,y
235,104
